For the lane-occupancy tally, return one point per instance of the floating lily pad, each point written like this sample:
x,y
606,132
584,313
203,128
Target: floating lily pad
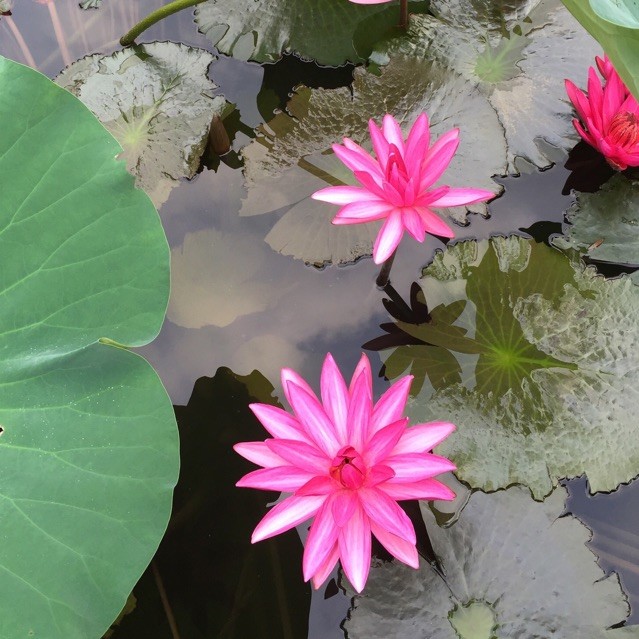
x,y
548,359
624,13
291,157
512,568
88,441
516,53
322,29
157,101
90,4
605,224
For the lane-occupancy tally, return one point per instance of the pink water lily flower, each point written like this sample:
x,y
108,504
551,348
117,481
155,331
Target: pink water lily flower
x,y
608,116
397,185
347,463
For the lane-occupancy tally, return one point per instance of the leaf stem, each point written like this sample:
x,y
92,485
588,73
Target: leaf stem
x,y
168,611
403,14
384,274
157,15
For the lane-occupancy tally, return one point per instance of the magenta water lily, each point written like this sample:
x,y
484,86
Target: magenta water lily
x,y
347,462
608,115
398,184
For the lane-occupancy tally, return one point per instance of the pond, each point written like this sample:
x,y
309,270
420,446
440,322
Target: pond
x,y
508,335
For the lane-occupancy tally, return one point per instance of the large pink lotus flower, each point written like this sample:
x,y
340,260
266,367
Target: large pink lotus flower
x,y
609,116
347,464
397,185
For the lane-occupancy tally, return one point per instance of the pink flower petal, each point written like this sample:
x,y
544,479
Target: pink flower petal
x,y
416,466
388,238
282,479
326,568
595,97
390,406
384,441
434,224
363,366
344,195
369,183
344,505
422,438
313,417
413,223
335,396
359,411
379,474
386,513
319,485
320,542
393,132
289,375
380,144
360,212
459,197
373,165
355,161
278,422
286,515
417,144
259,453
396,546
578,99
438,158
355,549
301,454
428,489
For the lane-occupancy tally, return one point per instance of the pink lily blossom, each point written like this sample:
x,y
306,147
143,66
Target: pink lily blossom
x,y
397,185
347,463
608,116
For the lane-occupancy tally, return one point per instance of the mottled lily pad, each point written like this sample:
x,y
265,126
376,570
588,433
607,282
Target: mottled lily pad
x,y
90,4
292,157
512,568
157,101
549,367
605,224
516,53
324,30
88,440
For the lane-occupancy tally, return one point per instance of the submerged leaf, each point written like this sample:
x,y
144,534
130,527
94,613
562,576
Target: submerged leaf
x,y
90,4
88,441
605,224
552,392
157,101
292,157
512,568
516,53
322,29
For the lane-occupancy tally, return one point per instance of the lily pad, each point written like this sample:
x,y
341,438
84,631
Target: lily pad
x,y
90,4
624,13
324,30
605,224
88,443
548,367
512,568
516,53
157,101
292,157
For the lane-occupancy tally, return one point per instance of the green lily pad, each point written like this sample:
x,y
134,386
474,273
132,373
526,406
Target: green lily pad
x,y
512,568
516,53
324,30
157,102
605,224
624,13
548,363
619,42
88,444
291,157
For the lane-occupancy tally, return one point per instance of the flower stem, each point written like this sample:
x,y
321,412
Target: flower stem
x,y
168,611
157,15
384,274
403,14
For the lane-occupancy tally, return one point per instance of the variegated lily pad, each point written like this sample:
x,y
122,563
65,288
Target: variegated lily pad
x,y
157,101
292,157
544,375
512,568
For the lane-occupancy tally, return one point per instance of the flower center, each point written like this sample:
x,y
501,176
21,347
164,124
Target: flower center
x,y
624,129
348,468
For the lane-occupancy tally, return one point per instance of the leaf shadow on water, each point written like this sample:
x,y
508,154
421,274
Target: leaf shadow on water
x,y
217,583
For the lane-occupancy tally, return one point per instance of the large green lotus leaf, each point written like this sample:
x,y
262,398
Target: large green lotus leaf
x,y
291,157
620,43
605,224
548,364
516,53
88,445
512,567
320,29
624,13
157,102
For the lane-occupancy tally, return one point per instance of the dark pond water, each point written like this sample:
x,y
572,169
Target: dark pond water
x,y
277,313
